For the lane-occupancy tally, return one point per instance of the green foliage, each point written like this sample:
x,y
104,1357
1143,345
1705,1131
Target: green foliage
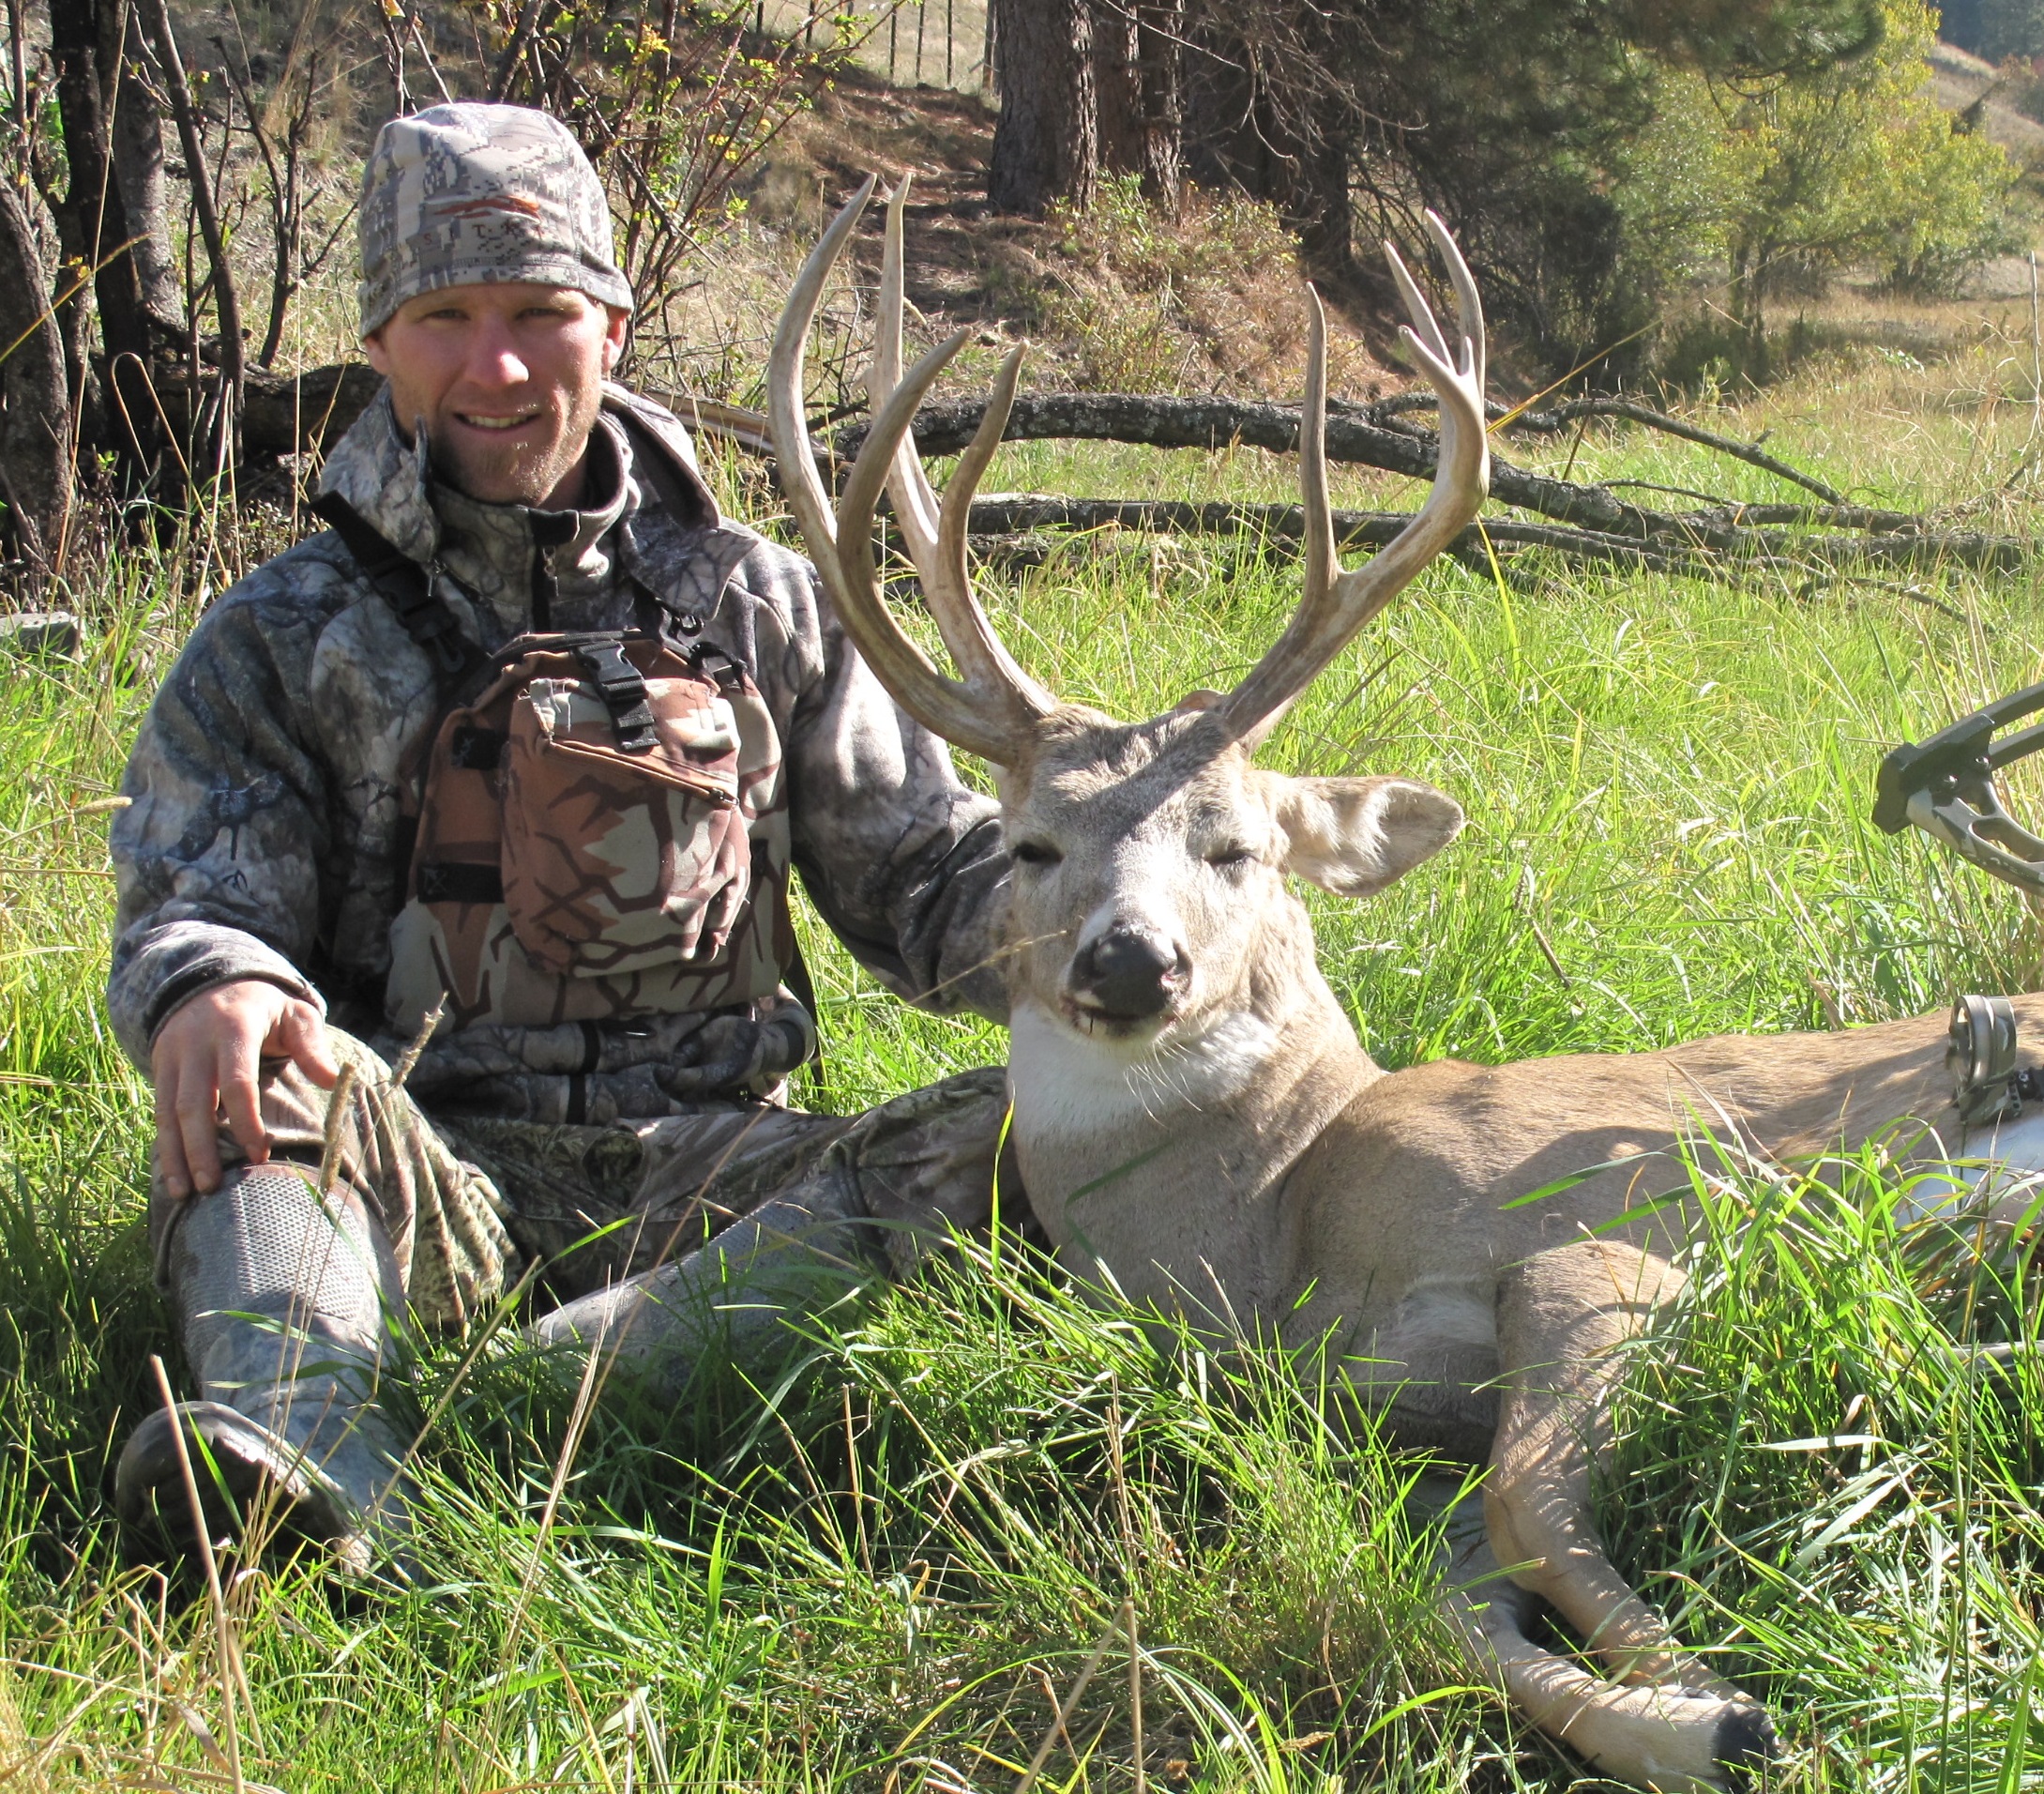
x,y
2012,28
672,111
1786,182
1514,121
1646,146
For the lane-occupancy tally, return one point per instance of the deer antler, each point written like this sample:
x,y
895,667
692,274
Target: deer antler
x,y
995,708
1337,605
939,558
992,711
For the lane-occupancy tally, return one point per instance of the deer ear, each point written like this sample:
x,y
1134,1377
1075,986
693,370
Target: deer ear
x,y
1356,836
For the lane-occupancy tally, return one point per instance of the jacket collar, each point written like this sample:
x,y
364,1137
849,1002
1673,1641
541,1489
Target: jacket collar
x,y
492,552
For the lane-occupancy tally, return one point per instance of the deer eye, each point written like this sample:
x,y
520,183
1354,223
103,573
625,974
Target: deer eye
x,y
1227,858
1036,853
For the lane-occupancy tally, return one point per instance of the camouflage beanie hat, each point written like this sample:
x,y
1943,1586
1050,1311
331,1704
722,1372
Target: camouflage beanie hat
x,y
467,194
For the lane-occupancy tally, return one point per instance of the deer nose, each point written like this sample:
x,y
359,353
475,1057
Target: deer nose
x,y
1129,973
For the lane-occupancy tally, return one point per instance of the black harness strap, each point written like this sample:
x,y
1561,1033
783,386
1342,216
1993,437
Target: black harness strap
x,y
401,582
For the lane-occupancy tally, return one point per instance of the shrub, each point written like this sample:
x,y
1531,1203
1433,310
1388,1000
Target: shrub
x,y
1786,183
1203,299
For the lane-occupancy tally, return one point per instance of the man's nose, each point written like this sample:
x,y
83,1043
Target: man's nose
x,y
493,359
1130,971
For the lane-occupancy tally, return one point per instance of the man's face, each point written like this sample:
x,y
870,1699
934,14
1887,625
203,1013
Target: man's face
x,y
509,378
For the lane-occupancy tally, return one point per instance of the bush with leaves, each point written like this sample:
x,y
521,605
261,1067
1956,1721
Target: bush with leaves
x,y
1783,183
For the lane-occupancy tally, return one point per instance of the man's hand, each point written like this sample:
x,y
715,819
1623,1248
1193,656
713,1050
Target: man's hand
x,y
205,1063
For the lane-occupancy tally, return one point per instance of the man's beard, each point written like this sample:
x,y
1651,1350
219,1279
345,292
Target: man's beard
x,y
517,473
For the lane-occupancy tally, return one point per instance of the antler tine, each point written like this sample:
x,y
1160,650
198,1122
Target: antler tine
x,y
948,588
799,480
939,704
1337,605
1468,302
1323,560
928,523
996,710
875,467
916,507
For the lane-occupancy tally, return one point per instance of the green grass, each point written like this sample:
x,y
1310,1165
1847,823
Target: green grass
x,y
881,1568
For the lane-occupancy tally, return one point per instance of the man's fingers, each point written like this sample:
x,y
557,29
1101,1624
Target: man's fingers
x,y
241,1105
198,1128
170,1147
302,1035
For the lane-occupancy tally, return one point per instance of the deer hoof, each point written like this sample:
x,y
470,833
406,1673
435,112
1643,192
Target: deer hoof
x,y
1746,1741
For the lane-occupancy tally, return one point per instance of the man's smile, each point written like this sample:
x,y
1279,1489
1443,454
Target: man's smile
x,y
510,420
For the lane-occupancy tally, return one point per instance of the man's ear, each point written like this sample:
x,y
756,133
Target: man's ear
x,y
372,346
617,326
1356,836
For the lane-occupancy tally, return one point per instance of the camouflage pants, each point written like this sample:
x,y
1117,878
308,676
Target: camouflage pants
x,y
467,1203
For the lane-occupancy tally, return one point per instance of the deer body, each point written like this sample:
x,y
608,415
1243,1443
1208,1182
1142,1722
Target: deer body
x,y
1198,1124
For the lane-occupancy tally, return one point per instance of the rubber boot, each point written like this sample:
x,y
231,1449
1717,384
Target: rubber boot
x,y
285,1305
788,1259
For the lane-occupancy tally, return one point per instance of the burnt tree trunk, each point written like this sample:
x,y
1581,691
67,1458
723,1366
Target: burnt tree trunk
x,y
1318,207
1118,87
36,428
94,231
1046,146
1136,61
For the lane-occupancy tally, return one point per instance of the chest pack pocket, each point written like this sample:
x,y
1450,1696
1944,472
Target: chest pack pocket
x,y
599,827
600,791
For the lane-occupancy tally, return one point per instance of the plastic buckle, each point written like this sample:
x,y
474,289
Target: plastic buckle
x,y
623,690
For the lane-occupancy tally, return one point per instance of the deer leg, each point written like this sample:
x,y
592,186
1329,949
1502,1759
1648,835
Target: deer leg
x,y
1560,1315
1665,1739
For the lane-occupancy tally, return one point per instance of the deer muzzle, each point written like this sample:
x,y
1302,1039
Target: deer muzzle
x,y
1128,973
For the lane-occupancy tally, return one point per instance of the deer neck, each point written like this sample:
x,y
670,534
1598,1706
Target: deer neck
x,y
1161,1159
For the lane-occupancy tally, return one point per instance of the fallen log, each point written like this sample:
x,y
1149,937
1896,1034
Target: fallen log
x,y
1028,513
1558,418
945,428
282,414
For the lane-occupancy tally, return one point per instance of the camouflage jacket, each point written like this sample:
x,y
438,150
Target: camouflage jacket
x,y
264,838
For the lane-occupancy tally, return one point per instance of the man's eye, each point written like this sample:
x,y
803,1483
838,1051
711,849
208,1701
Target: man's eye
x,y
1036,853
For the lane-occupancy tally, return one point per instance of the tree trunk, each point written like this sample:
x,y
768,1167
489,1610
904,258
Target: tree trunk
x,y
1160,62
138,166
1117,86
1318,207
223,448
1046,146
1749,307
36,428
93,227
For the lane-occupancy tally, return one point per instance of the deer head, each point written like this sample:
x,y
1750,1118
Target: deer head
x,y
1150,858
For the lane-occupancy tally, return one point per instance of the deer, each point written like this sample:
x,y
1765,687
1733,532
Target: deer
x,y
1197,1124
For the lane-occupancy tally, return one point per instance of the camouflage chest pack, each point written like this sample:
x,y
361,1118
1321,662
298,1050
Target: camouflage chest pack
x,y
599,822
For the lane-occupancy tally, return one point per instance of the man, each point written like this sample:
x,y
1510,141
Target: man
x,y
302,888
